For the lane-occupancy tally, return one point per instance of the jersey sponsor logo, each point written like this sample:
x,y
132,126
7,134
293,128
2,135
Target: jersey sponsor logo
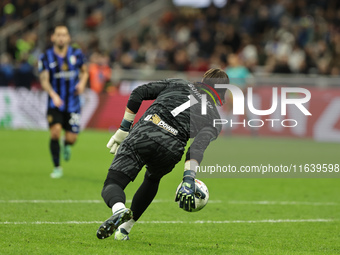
x,y
65,75
155,119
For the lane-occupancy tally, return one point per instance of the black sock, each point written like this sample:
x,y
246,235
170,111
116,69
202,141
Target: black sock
x,y
144,196
112,194
55,151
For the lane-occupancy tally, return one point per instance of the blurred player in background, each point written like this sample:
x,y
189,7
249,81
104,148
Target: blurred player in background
x,y
63,74
158,140
240,76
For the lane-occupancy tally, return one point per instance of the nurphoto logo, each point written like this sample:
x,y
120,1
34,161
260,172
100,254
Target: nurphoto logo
x,y
239,105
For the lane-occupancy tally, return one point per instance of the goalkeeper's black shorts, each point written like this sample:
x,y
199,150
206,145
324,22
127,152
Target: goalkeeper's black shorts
x,y
135,152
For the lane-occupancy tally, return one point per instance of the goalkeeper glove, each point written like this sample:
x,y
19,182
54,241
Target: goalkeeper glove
x,y
188,190
121,133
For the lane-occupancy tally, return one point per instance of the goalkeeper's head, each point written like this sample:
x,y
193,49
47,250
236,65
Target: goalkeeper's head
x,y
216,76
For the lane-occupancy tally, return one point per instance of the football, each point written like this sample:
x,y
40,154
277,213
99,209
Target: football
x,y
199,202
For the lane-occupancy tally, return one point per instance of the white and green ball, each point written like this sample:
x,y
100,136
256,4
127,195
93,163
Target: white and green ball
x,y
199,202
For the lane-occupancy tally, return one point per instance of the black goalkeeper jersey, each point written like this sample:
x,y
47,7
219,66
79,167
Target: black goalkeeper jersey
x,y
175,116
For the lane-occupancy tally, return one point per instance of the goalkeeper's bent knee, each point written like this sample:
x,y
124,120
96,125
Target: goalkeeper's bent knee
x,y
113,194
113,190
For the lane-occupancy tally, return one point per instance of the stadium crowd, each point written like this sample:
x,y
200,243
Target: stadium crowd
x,y
281,36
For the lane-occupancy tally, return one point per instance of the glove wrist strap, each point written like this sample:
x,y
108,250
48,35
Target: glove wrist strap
x,y
190,168
127,121
125,125
189,173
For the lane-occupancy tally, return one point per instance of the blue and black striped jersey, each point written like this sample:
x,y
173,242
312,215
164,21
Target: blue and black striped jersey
x,y
64,76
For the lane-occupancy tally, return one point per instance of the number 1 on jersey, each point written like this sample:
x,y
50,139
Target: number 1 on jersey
x,y
192,100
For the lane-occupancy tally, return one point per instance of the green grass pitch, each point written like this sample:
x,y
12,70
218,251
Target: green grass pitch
x,y
39,215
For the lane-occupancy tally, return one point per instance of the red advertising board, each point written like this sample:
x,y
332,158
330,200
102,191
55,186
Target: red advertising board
x,y
110,111
322,125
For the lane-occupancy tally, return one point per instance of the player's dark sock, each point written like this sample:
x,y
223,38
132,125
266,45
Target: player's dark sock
x,y
112,194
55,151
144,196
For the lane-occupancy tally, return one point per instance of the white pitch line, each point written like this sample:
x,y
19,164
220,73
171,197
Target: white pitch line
x,y
283,203
52,201
236,221
49,222
173,222
80,201
70,201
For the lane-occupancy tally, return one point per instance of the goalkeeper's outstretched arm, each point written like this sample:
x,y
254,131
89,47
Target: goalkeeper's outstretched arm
x,y
194,156
148,91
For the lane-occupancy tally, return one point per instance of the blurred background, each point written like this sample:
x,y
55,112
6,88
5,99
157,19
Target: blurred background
x,y
259,43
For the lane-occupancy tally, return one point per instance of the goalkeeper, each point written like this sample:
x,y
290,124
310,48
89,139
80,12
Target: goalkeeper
x,y
158,140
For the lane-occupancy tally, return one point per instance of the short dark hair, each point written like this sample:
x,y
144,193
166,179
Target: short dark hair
x,y
59,25
215,76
